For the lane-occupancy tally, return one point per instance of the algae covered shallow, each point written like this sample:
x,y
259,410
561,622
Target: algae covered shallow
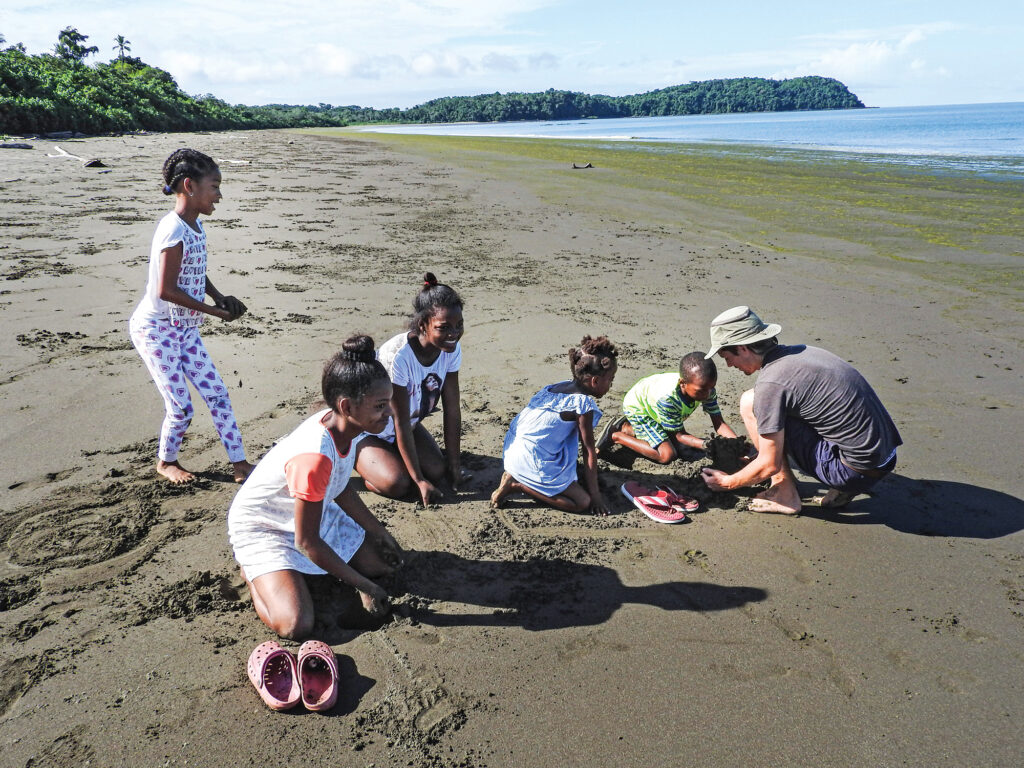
x,y
950,225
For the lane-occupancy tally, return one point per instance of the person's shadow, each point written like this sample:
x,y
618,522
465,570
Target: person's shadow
x,y
536,594
931,508
541,594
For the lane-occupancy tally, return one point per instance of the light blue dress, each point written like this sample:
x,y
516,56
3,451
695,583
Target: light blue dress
x,y
541,448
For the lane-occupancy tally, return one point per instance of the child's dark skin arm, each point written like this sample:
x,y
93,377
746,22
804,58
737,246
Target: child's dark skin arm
x,y
230,303
597,502
452,415
721,428
307,539
407,445
170,268
355,508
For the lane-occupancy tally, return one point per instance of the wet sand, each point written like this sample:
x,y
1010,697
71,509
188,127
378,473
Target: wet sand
x,y
889,633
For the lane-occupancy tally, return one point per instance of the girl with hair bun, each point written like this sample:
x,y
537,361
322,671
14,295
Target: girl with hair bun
x,y
542,444
423,364
165,326
297,514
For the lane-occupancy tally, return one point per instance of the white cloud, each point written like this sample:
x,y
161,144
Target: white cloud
x,y
499,62
439,64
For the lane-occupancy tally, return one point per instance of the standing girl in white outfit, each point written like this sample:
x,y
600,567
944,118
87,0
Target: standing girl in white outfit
x,y
423,363
165,326
297,513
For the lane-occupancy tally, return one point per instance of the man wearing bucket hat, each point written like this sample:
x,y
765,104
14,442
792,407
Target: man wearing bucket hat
x,y
807,406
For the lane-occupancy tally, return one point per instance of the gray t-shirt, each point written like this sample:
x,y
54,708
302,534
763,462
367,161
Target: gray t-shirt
x,y
830,396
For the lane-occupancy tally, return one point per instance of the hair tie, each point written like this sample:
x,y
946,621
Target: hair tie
x,y
167,189
357,357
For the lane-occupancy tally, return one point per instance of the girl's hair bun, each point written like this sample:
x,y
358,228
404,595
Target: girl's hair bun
x,y
358,349
432,297
593,357
168,190
352,372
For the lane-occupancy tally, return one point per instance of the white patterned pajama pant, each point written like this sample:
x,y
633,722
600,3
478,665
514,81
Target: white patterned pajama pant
x,y
174,356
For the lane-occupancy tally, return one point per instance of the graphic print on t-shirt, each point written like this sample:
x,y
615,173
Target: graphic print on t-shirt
x,y
430,393
191,279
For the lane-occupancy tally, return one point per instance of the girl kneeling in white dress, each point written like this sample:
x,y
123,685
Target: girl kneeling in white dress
x,y
296,514
543,441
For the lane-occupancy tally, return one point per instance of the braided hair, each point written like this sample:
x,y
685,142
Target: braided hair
x,y
432,298
352,371
184,164
592,358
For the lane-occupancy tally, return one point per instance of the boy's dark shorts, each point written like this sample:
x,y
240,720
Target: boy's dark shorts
x,y
820,458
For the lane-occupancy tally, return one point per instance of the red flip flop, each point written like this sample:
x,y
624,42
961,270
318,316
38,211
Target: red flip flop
x,y
272,672
686,503
655,506
318,675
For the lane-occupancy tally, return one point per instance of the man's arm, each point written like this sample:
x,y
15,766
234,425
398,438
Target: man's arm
x,y
768,462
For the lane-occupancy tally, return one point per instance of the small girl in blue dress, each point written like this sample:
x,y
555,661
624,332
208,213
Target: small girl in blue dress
x,y
541,446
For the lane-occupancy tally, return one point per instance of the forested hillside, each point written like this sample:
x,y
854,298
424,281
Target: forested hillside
x,y
61,92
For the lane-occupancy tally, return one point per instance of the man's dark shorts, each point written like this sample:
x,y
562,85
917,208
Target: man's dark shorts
x,y
820,458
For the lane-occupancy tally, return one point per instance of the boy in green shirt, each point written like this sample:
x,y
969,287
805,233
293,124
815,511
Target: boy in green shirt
x,y
655,408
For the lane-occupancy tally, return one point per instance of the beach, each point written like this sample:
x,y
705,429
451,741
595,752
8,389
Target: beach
x,y
889,633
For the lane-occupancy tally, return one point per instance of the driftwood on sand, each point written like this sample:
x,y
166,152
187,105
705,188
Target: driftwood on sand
x,y
93,162
579,167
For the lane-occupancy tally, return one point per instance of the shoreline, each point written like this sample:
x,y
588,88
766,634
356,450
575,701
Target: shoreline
x,y
527,636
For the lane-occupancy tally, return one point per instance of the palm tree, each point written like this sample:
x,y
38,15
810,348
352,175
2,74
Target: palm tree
x,y
122,47
70,45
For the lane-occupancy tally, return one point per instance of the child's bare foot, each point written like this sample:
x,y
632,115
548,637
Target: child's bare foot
x,y
780,499
174,472
505,487
242,470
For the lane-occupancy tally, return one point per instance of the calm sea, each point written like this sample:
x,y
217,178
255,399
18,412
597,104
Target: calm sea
x,y
986,139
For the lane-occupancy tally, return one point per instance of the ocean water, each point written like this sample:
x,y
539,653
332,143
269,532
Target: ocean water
x,y
987,139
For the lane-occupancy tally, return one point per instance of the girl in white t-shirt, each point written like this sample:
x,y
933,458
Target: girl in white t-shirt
x,y
423,363
297,513
165,326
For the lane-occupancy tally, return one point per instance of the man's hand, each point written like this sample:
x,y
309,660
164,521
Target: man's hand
x,y
715,479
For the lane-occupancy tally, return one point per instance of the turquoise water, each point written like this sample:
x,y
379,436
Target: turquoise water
x,y
983,138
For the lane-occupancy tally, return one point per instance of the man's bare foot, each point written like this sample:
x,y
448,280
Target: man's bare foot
x,y
242,470
174,472
505,487
781,499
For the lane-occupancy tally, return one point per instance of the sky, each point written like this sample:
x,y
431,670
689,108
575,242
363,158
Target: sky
x,y
399,53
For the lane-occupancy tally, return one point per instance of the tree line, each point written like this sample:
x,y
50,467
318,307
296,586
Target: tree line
x,y
60,91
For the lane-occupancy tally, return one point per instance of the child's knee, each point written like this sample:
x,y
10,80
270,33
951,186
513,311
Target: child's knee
x,y
582,503
294,626
667,452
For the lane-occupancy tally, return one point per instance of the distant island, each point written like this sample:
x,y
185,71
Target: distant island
x,y
56,92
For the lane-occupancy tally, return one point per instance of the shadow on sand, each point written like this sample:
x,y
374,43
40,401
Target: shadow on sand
x,y
537,594
543,594
931,508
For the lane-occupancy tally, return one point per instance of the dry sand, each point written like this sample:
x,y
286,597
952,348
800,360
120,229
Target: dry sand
x,y
887,634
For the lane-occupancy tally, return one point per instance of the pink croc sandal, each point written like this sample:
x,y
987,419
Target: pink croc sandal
x,y
318,675
272,671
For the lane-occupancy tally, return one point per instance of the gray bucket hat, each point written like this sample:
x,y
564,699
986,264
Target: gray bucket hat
x,y
739,325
